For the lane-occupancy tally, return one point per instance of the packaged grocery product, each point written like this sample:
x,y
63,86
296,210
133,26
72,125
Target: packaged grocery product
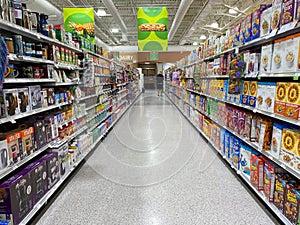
x,y
245,160
266,58
265,135
276,14
288,12
266,96
257,171
265,22
276,139
280,98
256,16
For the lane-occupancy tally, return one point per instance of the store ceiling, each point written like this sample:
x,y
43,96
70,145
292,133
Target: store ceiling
x,y
197,15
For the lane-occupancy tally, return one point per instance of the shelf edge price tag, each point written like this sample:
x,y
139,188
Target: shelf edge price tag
x,y
295,77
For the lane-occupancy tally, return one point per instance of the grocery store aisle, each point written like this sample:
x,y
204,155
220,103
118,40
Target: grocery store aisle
x,y
154,168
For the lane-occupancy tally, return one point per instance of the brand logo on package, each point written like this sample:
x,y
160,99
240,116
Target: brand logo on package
x,y
152,29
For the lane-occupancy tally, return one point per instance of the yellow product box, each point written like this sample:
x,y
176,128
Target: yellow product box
x,y
289,140
293,93
280,97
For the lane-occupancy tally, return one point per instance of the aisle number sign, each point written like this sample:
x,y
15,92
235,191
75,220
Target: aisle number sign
x,y
80,21
152,28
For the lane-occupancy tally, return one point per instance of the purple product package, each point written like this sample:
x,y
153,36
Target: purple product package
x,y
288,11
53,172
16,199
38,174
297,10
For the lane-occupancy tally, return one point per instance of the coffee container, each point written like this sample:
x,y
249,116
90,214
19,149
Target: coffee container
x,y
9,45
11,12
35,21
18,13
18,44
38,51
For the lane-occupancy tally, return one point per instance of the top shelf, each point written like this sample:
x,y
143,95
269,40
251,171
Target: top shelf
x,y
6,25
259,41
95,54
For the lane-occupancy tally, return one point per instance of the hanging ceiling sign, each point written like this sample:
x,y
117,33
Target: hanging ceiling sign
x,y
80,22
152,29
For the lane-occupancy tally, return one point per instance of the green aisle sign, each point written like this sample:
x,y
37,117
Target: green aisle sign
x,y
80,21
152,29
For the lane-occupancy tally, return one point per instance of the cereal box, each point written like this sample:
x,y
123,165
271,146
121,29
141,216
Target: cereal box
x,y
288,9
286,157
241,122
289,60
227,144
270,170
243,31
278,55
276,14
265,22
292,106
276,139
245,160
235,153
248,125
297,10
253,69
292,202
257,171
222,140
248,33
266,59
265,135
256,14
289,140
265,96
253,93
245,93
280,98
279,192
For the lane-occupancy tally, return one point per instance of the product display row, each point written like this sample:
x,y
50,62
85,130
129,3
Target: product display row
x,y
232,132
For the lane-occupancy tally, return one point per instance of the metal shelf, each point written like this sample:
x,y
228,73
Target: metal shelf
x,y
12,168
214,77
67,66
36,111
95,54
23,58
259,193
27,80
119,85
50,193
99,103
252,144
102,75
255,110
102,66
88,120
57,144
66,83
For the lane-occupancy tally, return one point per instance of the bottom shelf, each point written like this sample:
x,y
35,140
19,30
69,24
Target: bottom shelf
x,y
43,201
241,175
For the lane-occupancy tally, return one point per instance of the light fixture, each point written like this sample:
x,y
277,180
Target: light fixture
x,y
195,43
233,10
101,12
202,37
214,24
147,62
114,30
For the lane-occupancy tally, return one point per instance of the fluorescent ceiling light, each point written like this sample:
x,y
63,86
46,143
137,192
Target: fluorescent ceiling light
x,y
202,37
233,11
147,62
114,30
214,25
195,43
101,12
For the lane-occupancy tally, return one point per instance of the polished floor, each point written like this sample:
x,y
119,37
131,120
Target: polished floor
x,y
154,169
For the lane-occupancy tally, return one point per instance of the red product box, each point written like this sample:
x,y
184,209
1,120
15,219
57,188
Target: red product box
x,y
257,172
270,171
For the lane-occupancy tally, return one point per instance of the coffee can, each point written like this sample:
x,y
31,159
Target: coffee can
x,y
18,44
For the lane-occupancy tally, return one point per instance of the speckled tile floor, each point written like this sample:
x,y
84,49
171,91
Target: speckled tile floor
x,y
154,168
